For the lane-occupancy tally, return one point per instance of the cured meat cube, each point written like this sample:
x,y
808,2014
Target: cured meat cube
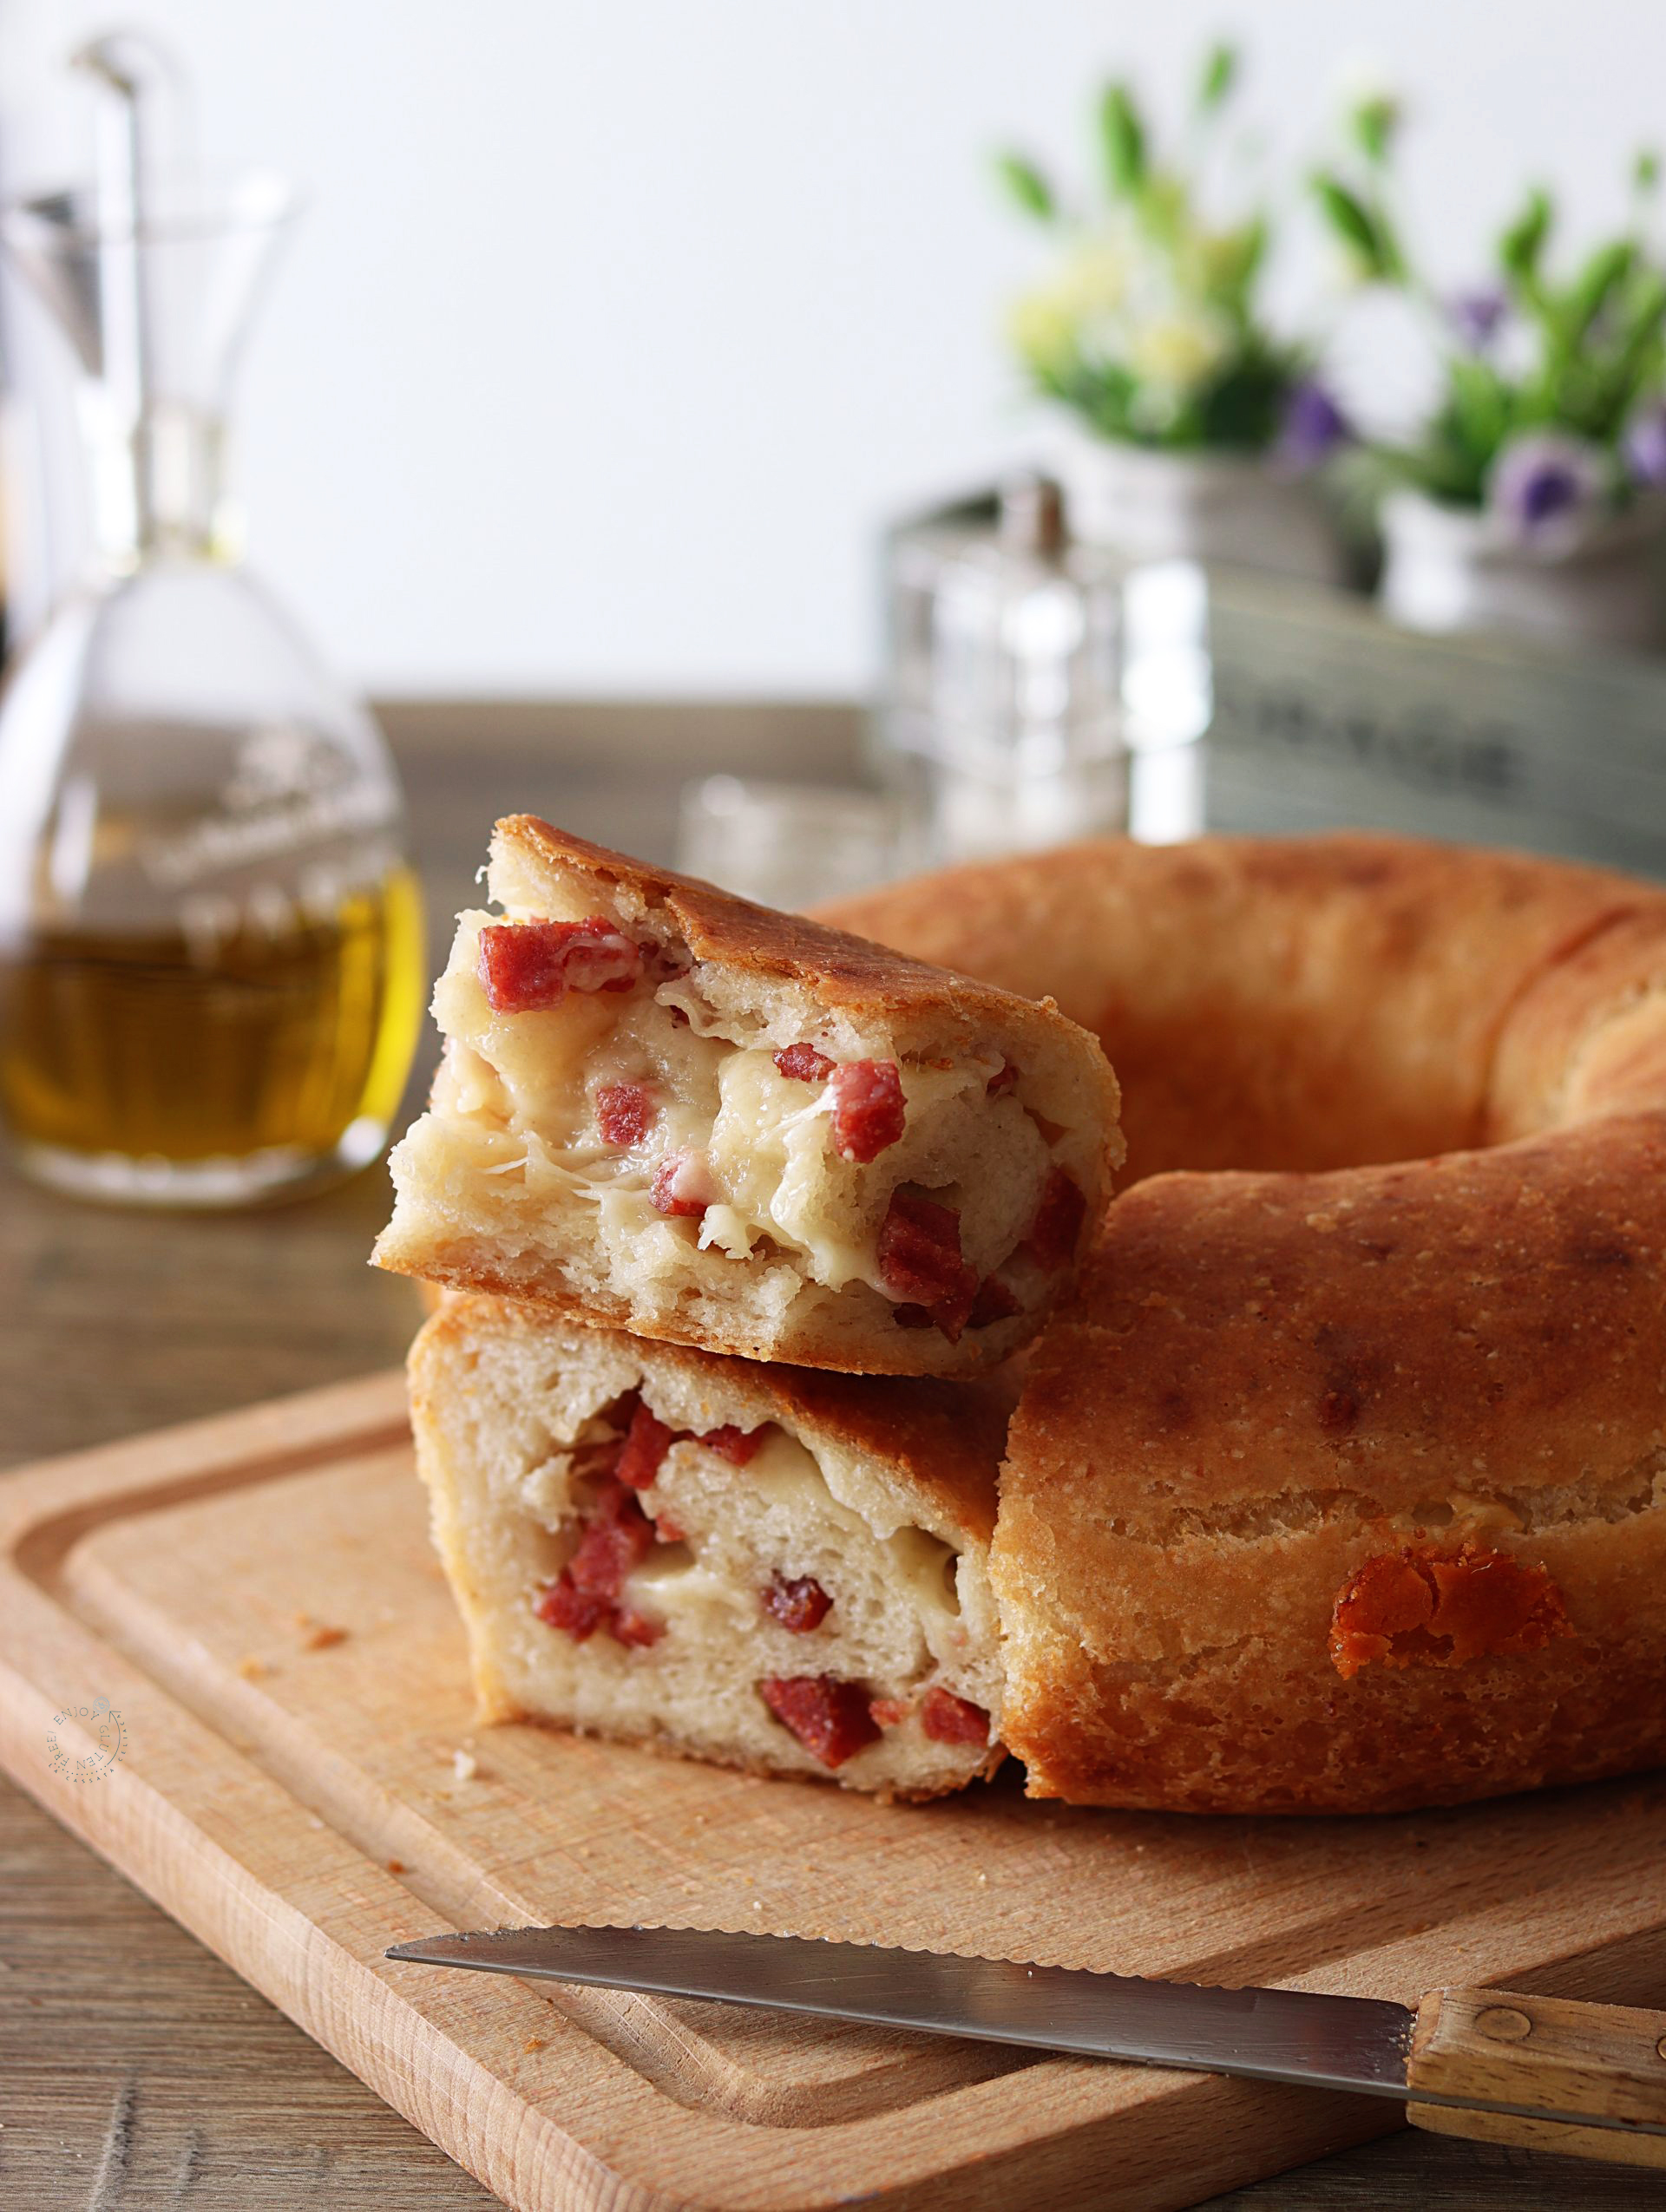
x,y
646,1443
920,1262
802,1063
682,1185
867,1108
624,1112
736,1445
948,1720
994,1302
1058,1221
618,1537
799,1604
564,1606
525,966
635,1629
832,1719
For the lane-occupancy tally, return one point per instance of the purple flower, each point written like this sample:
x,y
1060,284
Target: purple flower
x,y
1546,489
1644,447
1313,428
1475,317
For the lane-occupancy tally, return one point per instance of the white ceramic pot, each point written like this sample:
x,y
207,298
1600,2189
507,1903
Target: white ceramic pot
x,y
1449,568
1214,507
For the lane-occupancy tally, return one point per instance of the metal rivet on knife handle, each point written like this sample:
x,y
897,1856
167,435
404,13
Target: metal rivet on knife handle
x,y
1598,2064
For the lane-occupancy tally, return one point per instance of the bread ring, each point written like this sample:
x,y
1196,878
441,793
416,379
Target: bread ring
x,y
1341,1486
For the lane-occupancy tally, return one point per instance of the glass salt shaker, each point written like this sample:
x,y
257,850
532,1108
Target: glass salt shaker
x,y
211,957
1002,719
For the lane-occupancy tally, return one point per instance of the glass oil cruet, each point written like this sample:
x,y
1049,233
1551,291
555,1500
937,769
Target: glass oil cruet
x,y
210,937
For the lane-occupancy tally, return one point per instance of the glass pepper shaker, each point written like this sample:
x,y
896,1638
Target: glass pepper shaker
x,y
1002,719
211,955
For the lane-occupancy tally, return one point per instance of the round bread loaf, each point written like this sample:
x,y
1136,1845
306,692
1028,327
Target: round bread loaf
x,y
1341,1486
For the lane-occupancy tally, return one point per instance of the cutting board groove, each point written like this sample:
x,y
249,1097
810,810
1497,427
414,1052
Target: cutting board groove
x,y
255,1595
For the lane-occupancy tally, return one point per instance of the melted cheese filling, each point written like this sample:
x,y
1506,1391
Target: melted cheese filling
x,y
759,1142
896,1618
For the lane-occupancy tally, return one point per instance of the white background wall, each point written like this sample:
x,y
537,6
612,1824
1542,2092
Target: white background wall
x,y
616,328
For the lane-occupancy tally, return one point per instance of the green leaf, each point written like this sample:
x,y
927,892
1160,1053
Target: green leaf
x,y
1365,233
1645,170
1220,75
1607,269
1374,123
1522,246
1027,186
1122,139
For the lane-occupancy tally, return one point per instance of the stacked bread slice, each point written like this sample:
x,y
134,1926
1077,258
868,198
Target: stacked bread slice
x,y
736,1217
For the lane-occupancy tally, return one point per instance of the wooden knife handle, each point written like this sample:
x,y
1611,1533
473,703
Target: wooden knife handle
x,y
1570,2063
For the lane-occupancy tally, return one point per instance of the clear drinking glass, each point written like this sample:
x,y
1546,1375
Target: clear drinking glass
x,y
210,935
789,844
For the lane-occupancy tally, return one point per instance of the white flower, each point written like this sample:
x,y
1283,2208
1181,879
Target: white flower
x,y
1041,328
1178,348
1095,277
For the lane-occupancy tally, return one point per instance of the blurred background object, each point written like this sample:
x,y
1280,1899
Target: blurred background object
x,y
1531,498
1001,726
1200,429
210,940
627,357
789,845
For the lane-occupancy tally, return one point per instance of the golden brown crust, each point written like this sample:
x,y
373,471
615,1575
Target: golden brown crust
x,y
840,971
1282,1003
1267,1380
1589,1035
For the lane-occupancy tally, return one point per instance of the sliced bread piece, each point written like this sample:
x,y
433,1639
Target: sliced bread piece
x,y
665,1109
776,1570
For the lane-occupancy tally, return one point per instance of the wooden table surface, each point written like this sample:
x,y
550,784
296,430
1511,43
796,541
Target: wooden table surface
x,y
137,2072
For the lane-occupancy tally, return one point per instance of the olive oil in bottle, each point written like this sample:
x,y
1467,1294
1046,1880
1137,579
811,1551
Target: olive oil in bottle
x,y
148,1064
210,937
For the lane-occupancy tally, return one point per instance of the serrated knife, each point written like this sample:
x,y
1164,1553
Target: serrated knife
x,y
1586,2080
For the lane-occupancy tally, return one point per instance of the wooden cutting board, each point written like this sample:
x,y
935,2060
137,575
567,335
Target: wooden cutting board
x,y
293,1770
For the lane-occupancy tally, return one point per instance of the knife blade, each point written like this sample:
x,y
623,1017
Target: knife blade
x,y
1353,2043
1453,2066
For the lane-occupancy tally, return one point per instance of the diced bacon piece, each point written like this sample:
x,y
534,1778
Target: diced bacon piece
x,y
683,1185
625,1111
948,1720
627,1625
646,1443
799,1604
832,1719
667,1530
920,1262
619,1536
739,1445
867,1108
1001,1082
1058,1221
802,1063
578,1612
527,965
994,1302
